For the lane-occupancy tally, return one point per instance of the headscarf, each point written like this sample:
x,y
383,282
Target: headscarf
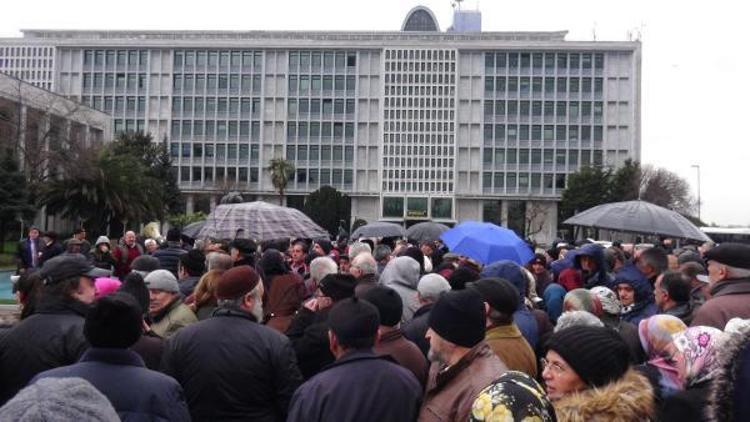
x,y
582,300
608,299
656,335
700,349
514,396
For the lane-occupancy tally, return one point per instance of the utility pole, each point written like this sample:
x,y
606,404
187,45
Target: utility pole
x,y
698,168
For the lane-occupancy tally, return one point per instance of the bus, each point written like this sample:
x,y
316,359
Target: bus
x,y
726,234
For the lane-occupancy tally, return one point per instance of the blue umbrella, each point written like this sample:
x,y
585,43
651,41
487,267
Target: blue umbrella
x,y
487,243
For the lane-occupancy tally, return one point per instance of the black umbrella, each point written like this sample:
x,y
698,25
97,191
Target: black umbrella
x,y
638,217
192,229
427,231
379,229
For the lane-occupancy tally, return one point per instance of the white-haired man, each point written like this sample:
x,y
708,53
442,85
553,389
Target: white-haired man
x,y
319,268
364,268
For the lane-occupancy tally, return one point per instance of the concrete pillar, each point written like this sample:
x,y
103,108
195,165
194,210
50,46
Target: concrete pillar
x,y
212,202
504,213
189,204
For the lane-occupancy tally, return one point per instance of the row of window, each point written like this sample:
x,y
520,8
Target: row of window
x,y
418,127
116,104
526,85
33,63
218,174
420,54
324,153
500,181
420,67
411,90
419,114
303,61
25,51
421,138
439,207
213,58
410,150
120,81
421,78
316,84
241,152
129,125
314,107
421,174
220,129
212,83
235,106
415,186
501,133
401,161
561,61
499,156
110,58
319,177
422,103
524,108
325,130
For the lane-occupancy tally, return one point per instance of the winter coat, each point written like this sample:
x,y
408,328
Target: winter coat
x,y
730,386
233,368
683,311
629,334
284,298
601,276
685,406
150,348
124,257
187,285
644,305
729,299
451,391
49,338
360,386
365,283
416,329
510,346
136,393
23,253
103,260
405,353
169,257
174,317
628,399
308,334
402,275
50,251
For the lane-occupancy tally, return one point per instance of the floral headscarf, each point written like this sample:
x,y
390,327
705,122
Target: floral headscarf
x,y
608,298
656,335
699,347
514,396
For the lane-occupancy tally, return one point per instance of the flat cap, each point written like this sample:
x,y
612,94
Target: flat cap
x,y
731,254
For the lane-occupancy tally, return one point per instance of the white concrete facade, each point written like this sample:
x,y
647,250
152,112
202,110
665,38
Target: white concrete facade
x,y
411,125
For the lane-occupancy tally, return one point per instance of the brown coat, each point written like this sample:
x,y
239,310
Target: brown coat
x,y
451,391
630,398
512,348
729,299
285,297
404,352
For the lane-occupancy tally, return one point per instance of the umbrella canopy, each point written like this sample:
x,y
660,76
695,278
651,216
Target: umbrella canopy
x,y
638,217
379,229
192,229
487,243
426,231
259,221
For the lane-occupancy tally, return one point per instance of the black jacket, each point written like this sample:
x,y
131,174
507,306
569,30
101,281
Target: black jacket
x,y
51,337
360,386
416,329
308,334
169,257
136,393
233,368
51,251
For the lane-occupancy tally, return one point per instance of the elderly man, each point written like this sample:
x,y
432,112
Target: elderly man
x,y
652,262
672,296
168,313
231,366
729,274
429,290
357,248
53,335
319,268
126,253
364,269
360,385
462,363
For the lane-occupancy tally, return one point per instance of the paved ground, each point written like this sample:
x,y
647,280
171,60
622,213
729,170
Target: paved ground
x,y
8,314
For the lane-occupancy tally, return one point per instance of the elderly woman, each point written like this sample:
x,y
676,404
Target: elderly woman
x,y
588,377
662,366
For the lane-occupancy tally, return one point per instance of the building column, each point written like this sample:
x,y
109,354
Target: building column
x,y
189,204
212,202
504,213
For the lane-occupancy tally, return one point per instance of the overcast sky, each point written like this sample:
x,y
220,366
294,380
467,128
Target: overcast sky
x,y
696,80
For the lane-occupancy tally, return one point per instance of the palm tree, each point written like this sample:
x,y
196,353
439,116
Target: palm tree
x,y
281,171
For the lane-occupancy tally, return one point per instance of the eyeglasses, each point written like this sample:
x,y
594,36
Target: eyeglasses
x,y
554,367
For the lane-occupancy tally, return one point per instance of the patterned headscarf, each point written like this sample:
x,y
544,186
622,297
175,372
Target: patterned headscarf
x,y
656,335
700,348
608,298
514,396
582,300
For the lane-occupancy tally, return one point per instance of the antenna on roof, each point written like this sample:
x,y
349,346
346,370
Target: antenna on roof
x,y
456,4
593,31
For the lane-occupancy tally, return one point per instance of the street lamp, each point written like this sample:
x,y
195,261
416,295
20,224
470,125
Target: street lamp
x,y
698,168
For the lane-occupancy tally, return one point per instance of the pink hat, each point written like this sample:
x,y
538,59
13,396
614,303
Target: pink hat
x,y
105,286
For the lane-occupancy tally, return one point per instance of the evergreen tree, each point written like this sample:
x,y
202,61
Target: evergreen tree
x,y
327,207
14,198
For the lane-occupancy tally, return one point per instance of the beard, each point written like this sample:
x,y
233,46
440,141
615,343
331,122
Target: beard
x,y
257,310
435,356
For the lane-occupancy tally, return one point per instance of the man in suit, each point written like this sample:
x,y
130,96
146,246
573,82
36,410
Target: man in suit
x,y
28,255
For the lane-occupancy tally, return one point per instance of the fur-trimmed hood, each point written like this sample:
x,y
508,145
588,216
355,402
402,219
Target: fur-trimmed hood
x,y
630,398
733,358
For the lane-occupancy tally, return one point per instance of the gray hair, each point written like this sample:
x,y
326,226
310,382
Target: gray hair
x,y
365,262
150,241
218,261
577,319
381,252
357,248
321,267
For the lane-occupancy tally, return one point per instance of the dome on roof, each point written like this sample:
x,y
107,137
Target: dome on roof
x,y
422,19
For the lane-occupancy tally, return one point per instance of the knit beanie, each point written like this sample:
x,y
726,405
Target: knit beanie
x,y
338,286
498,293
106,285
458,317
162,280
236,282
60,399
114,321
389,304
462,276
145,263
597,354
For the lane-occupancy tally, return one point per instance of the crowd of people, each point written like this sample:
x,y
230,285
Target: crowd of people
x,y
374,329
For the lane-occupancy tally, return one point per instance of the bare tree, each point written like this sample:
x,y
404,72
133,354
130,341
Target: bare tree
x,y
666,189
536,216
